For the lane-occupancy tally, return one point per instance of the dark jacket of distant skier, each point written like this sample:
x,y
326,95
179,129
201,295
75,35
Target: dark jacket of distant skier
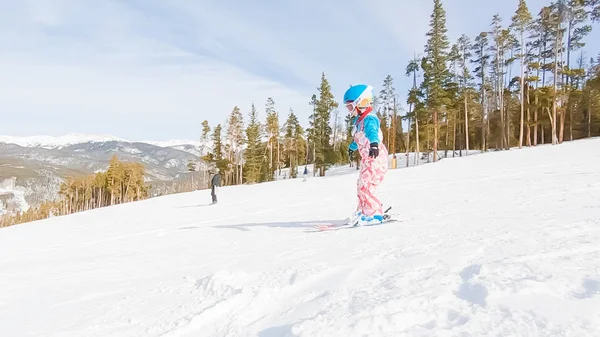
x,y
214,183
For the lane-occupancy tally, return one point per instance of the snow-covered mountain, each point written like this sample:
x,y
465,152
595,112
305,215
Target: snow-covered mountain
x,y
40,163
502,243
57,142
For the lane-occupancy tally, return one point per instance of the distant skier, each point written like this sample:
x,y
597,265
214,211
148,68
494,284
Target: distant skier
x,y
305,174
367,139
214,183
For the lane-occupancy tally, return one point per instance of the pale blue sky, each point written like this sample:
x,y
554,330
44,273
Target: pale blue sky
x,y
150,69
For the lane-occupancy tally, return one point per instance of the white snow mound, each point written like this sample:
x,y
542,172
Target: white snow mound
x,y
494,244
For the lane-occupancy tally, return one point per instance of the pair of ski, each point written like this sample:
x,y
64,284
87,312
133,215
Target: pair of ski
x,y
332,227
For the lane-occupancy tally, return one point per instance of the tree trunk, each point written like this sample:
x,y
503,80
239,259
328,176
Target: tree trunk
x,y
408,143
589,115
271,170
435,134
466,126
535,119
571,124
522,90
554,112
553,123
528,118
417,150
447,135
561,133
454,138
543,129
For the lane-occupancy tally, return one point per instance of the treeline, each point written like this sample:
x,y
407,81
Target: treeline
x,y
257,151
517,83
122,182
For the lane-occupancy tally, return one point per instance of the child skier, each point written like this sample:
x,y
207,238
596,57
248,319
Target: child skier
x,y
374,156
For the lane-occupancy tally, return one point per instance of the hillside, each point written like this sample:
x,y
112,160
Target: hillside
x,y
41,163
502,243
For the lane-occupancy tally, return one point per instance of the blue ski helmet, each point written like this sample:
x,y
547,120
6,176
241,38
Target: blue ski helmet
x,y
360,95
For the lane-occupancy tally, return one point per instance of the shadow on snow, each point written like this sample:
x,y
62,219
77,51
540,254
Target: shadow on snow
x,y
308,224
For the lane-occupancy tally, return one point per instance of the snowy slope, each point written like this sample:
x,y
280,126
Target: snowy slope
x,y
498,244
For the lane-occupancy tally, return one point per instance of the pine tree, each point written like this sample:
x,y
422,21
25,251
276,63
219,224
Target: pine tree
x,y
481,60
272,128
521,23
413,99
253,154
322,127
577,29
217,151
204,139
205,135
386,99
501,45
542,35
453,110
235,140
465,77
557,18
311,133
293,143
436,73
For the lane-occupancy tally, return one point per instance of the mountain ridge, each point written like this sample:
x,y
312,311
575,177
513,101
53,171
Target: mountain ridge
x,y
47,141
41,164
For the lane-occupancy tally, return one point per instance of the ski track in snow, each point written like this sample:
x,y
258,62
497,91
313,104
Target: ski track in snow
x,y
498,244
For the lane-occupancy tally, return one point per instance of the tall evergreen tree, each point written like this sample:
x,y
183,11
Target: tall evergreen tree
x,y
436,73
217,153
272,128
557,19
502,41
481,61
322,127
412,99
386,99
521,23
205,135
293,145
311,132
253,154
235,140
465,77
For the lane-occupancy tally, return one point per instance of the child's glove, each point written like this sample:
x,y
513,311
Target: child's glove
x,y
374,150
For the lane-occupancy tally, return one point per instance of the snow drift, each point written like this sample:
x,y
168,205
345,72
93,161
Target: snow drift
x,y
494,244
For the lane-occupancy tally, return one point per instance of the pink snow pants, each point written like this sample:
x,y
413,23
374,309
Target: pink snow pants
x,y
372,172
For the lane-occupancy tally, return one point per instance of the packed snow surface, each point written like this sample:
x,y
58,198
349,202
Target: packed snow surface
x,y
496,244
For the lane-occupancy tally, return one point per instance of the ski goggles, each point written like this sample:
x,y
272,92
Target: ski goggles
x,y
350,106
